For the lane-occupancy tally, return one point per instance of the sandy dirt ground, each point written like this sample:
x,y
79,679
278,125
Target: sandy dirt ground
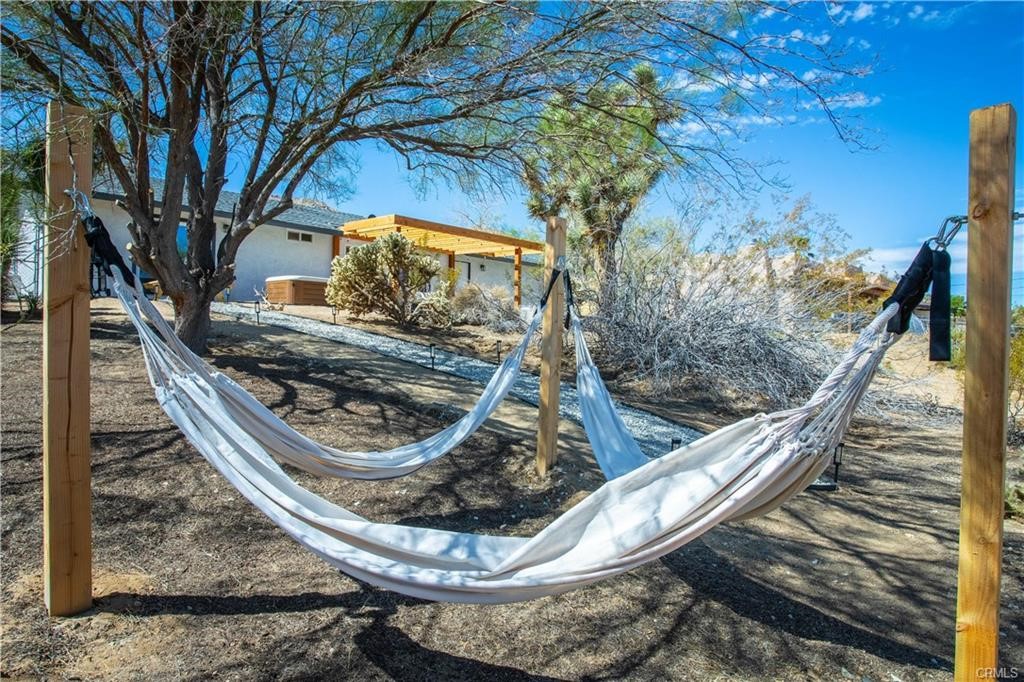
x,y
193,583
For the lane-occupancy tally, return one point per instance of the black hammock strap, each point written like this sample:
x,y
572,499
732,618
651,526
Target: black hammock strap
x,y
98,239
930,268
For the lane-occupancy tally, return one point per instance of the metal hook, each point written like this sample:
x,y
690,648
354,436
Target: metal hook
x,y
81,202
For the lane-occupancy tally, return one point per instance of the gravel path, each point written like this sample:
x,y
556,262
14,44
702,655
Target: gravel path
x,y
653,433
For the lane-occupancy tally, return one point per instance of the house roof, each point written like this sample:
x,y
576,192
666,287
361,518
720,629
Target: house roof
x,y
441,237
303,216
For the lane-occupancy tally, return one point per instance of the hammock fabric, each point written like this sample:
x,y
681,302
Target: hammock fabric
x,y
288,445
649,509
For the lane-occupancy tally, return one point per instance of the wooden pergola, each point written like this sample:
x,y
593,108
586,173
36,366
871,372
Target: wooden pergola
x,y
448,239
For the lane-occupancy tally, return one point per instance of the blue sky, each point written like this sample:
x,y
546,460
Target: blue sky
x,y
935,62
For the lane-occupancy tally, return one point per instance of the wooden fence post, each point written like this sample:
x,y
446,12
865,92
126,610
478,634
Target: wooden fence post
x,y
989,274
67,523
551,351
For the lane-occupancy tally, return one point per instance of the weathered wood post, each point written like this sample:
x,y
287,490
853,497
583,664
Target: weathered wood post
x,y
989,274
551,351
67,522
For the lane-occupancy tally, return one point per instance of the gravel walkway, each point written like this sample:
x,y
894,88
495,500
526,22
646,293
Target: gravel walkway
x,y
653,433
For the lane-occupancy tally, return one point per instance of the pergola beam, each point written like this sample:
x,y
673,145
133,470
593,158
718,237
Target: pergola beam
x,y
441,237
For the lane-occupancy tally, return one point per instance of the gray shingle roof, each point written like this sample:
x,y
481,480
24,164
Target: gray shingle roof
x,y
310,218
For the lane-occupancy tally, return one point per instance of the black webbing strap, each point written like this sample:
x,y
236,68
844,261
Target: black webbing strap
x,y
939,346
555,274
570,301
98,239
929,269
911,290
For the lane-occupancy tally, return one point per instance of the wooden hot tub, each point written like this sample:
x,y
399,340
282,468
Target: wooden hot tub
x,y
296,290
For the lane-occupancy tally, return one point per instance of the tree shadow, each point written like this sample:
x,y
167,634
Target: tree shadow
x,y
386,648
752,600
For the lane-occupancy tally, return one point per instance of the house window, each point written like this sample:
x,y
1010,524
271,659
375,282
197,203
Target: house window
x,y
299,236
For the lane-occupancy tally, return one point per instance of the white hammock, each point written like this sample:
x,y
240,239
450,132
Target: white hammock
x,y
740,471
288,445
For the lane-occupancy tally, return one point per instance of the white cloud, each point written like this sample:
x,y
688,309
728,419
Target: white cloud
x,y
686,81
897,259
862,12
931,16
917,11
851,100
761,80
854,100
820,39
761,120
891,259
691,128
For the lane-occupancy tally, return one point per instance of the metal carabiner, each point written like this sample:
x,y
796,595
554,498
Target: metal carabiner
x,y
943,239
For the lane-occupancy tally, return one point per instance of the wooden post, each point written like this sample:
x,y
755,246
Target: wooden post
x,y
518,279
989,268
452,273
67,523
335,246
551,351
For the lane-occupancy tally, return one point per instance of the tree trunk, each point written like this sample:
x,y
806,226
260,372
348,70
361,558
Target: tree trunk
x,y
192,321
606,270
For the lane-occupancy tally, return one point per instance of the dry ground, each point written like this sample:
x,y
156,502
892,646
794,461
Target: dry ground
x,y
193,583
905,370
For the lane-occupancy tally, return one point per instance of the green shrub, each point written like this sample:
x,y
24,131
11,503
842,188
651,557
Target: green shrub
x,y
389,276
10,227
1016,397
1015,501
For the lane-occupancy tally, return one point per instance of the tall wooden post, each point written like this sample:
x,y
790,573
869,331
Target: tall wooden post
x,y
517,286
551,351
67,523
989,274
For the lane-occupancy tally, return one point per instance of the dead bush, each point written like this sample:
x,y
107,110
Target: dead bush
x,y
492,307
722,319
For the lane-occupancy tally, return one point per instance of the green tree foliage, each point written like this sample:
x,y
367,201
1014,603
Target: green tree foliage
x,y
957,305
21,188
10,226
288,93
600,157
387,276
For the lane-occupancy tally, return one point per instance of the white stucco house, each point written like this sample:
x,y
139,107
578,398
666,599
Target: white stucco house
x,y
301,242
